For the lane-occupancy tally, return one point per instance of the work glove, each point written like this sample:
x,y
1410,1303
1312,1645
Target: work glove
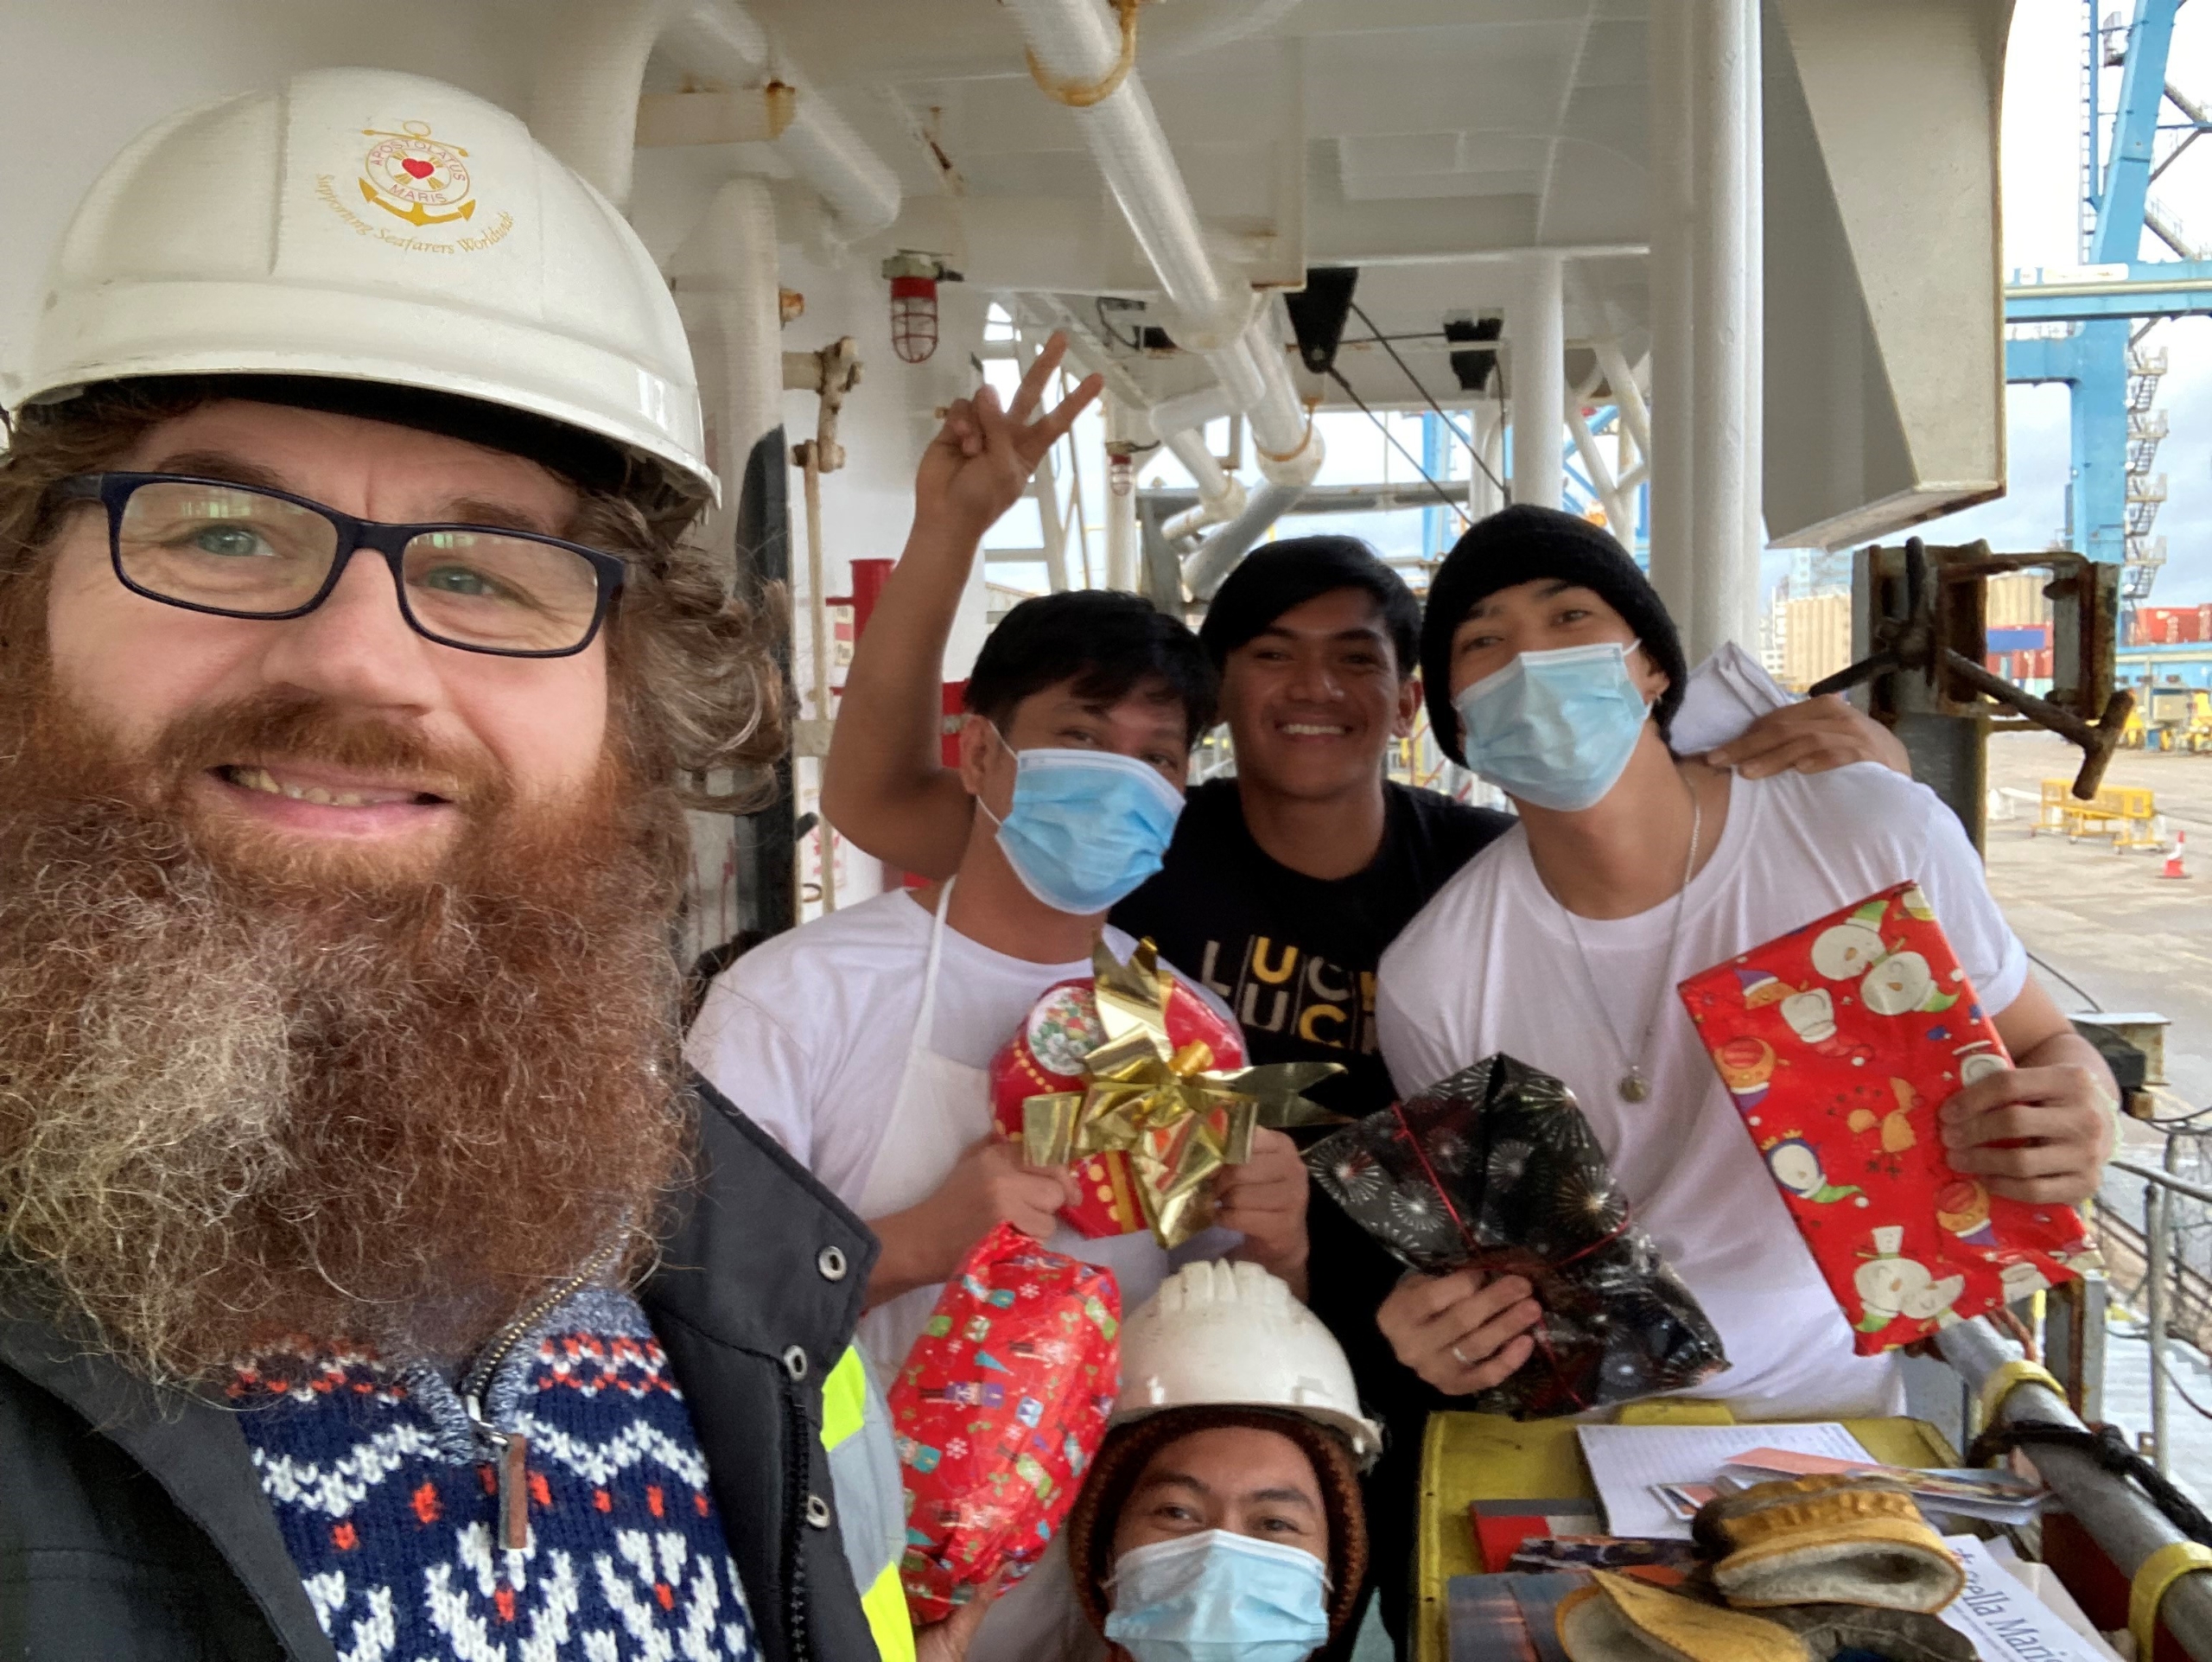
x,y
1900,1635
1620,1619
1826,1540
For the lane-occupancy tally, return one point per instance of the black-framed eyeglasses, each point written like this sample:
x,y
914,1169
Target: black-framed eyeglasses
x,y
234,550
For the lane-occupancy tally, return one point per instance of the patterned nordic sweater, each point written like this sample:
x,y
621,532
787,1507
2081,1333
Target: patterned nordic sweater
x,y
388,1507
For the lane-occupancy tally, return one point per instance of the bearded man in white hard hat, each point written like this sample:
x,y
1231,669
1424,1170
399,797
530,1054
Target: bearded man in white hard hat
x,y
370,1279
1222,1519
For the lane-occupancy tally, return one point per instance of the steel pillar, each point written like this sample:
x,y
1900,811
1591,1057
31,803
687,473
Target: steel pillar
x,y
2092,363
1673,435
1724,230
1536,341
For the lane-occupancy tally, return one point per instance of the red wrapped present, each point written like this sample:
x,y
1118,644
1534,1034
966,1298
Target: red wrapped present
x,y
1002,1404
1839,1043
1141,1084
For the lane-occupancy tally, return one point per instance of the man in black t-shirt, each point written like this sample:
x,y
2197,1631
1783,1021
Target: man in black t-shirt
x,y
1284,883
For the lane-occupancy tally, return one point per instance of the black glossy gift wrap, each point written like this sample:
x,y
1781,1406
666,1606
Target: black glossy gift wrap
x,y
1496,1168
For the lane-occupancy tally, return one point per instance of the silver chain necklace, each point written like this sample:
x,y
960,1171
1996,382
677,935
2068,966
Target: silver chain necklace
x,y
1635,1084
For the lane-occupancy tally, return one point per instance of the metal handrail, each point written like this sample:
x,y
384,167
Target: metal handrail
x,y
2118,1517
2163,1179
2158,1244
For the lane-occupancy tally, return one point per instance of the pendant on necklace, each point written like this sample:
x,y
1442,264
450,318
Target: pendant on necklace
x,y
1634,1087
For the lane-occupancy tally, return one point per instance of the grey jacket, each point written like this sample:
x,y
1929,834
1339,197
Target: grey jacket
x,y
134,1530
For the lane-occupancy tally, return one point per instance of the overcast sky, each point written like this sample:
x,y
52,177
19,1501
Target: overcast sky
x,y
2043,102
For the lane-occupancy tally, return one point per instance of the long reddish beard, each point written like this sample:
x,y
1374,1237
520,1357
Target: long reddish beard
x,y
246,1097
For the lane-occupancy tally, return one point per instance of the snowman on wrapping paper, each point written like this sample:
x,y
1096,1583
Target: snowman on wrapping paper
x,y
1890,1285
1890,982
1795,1164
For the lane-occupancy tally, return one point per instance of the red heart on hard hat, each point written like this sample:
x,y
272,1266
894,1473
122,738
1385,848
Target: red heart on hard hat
x,y
420,169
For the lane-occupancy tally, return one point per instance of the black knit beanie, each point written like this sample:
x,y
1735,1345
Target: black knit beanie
x,y
1530,545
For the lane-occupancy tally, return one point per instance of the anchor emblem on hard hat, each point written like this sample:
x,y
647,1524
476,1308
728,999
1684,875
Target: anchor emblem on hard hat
x,y
408,173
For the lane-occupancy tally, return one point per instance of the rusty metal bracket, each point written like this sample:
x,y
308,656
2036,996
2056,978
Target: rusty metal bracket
x,y
1919,640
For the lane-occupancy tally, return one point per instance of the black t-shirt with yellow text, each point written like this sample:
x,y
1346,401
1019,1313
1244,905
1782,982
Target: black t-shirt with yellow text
x,y
1294,956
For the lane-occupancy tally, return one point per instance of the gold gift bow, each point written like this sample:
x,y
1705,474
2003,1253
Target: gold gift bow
x,y
1179,1120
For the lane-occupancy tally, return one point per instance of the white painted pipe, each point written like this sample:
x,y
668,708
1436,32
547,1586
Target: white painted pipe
x,y
731,259
1208,404
1536,334
1289,445
1673,449
1741,596
1601,475
1220,497
1075,44
1723,600
584,106
721,39
1628,396
1217,555
1120,508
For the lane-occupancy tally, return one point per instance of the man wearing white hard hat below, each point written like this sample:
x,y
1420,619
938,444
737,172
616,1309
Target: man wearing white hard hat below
x,y
1222,1519
372,1280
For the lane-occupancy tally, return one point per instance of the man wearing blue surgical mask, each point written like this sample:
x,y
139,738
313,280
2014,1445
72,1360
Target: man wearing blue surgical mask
x,y
860,1040
1222,1519
1553,671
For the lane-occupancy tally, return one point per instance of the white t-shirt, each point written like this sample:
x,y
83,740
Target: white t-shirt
x,y
807,1032
1489,966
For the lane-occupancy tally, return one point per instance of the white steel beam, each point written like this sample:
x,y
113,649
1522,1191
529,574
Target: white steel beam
x,y
1671,442
1725,596
1536,382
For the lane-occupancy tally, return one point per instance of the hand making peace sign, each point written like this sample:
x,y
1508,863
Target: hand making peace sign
x,y
979,463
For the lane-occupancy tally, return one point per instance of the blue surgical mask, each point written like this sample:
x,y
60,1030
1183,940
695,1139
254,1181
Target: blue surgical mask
x,y
1218,1596
1555,728
1085,826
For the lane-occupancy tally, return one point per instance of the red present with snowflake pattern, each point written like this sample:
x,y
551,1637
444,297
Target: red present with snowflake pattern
x,y
1839,1043
998,1411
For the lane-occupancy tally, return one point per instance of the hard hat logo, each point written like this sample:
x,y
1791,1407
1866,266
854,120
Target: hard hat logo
x,y
410,175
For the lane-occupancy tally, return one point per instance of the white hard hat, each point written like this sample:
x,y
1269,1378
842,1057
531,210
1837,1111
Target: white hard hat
x,y
1231,1335
368,226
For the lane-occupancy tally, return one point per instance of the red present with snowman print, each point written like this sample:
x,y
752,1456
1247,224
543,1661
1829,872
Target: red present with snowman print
x,y
1838,1042
997,1413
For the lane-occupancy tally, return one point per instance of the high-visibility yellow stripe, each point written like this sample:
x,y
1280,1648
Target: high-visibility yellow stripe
x,y
885,1604
844,1399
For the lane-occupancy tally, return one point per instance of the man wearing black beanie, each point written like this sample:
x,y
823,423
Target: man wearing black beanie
x,y
1553,671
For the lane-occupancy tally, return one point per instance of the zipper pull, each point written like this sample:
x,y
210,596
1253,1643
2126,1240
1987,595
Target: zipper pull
x,y
510,1456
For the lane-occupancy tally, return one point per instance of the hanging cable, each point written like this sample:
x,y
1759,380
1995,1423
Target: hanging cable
x,y
1337,375
2050,969
1384,340
1450,425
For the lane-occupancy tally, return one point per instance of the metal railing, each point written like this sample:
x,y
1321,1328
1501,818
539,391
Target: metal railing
x,y
2174,1290
2118,1516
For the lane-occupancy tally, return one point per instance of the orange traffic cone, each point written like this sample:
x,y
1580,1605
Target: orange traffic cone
x,y
2173,868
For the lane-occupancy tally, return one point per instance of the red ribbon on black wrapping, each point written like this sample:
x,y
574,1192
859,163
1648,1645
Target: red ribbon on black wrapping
x,y
1502,1260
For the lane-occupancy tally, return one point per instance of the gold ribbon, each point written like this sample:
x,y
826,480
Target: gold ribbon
x,y
1178,1120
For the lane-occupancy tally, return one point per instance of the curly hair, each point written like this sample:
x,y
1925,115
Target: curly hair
x,y
699,702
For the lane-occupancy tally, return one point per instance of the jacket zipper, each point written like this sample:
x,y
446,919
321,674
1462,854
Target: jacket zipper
x,y
510,1451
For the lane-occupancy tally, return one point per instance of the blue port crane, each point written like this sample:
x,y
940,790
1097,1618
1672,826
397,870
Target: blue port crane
x,y
2087,321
